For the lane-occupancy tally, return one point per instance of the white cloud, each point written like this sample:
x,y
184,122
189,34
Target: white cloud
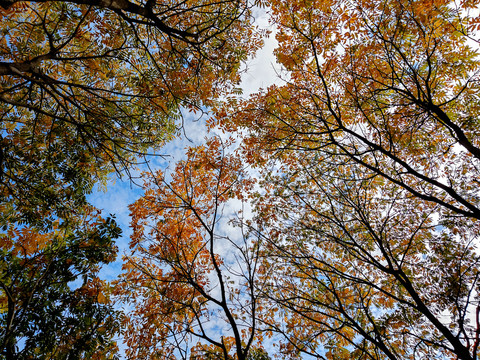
x,y
261,70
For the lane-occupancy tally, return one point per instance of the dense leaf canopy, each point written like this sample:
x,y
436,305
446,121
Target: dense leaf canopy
x,y
176,279
360,239
52,303
371,156
86,89
88,86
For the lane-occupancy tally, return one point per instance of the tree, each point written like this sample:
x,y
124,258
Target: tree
x,y
52,304
192,288
371,162
87,86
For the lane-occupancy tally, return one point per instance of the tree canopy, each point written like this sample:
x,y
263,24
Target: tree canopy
x,y
86,89
52,300
176,277
370,160
342,222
